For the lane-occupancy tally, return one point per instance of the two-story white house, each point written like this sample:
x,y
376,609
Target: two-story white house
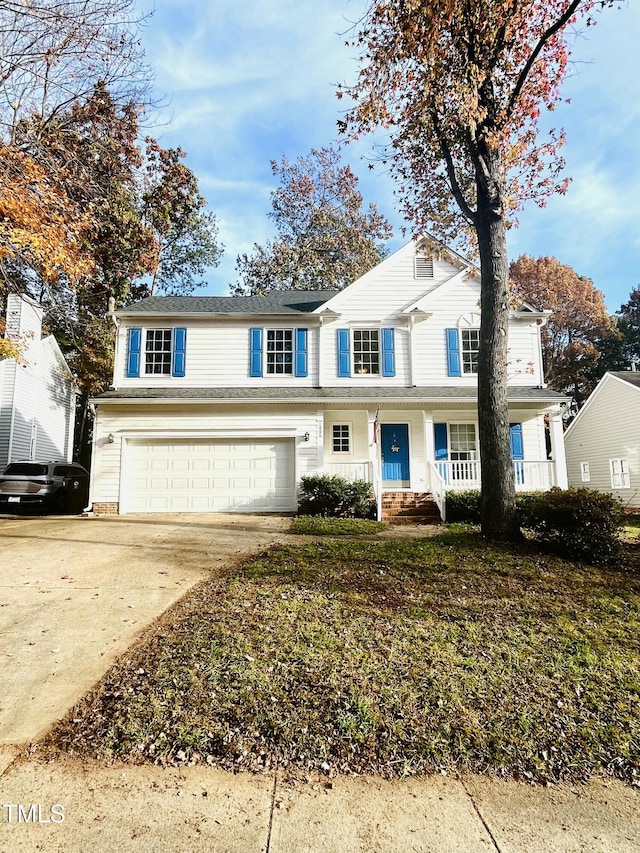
x,y
223,403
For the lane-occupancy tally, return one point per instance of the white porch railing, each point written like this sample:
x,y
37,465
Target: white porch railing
x,y
529,476
438,490
351,470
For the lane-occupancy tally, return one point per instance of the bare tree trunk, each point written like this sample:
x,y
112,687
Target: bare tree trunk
x,y
498,504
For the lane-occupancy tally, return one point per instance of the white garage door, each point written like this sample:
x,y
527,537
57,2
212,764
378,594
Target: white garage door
x,y
210,476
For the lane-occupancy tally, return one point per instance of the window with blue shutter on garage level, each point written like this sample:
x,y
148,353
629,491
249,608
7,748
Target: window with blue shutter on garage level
x,y
156,352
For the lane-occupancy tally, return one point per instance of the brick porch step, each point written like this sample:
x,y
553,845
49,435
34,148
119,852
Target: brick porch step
x,y
409,508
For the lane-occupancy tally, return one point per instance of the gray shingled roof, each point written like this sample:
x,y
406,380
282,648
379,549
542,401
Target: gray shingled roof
x,y
298,393
630,376
276,302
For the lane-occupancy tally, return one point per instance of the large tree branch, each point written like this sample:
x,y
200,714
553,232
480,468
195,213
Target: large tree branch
x,y
468,213
548,34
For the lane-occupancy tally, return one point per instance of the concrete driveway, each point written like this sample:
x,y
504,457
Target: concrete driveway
x,y
76,592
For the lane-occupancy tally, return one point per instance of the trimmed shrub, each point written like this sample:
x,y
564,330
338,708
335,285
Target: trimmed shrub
x,y
332,496
463,507
580,524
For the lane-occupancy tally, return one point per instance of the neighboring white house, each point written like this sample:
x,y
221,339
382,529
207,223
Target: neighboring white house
x,y
224,403
37,392
603,441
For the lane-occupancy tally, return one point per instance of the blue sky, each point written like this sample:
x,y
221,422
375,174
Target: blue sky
x,y
246,82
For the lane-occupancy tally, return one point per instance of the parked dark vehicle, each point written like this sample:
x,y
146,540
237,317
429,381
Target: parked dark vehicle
x,y
55,486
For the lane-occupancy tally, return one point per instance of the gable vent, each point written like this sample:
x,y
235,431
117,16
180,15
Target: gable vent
x,y
423,267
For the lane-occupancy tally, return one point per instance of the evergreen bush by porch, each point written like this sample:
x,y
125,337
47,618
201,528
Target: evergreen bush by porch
x,y
580,524
332,496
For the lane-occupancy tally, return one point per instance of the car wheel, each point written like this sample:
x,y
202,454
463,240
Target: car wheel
x,y
60,502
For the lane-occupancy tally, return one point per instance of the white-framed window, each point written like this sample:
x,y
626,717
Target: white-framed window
x,y
157,351
279,351
585,472
341,438
470,341
463,452
619,469
462,443
366,351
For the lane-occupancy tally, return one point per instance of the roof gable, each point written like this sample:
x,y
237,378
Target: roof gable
x,y
628,378
398,272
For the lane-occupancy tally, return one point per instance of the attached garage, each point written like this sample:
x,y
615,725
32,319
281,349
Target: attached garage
x,y
204,475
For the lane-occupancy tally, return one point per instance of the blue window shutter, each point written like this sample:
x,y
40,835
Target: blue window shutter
x,y
388,353
453,353
301,366
344,354
133,352
255,358
178,362
515,437
440,441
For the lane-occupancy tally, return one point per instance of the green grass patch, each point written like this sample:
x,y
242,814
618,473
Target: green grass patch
x,y
393,657
316,526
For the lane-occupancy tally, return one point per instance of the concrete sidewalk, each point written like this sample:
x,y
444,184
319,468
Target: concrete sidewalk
x,y
123,808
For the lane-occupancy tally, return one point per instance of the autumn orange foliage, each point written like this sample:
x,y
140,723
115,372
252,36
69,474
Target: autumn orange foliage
x,y
38,221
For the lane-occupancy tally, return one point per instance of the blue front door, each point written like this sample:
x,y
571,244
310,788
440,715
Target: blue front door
x,y
394,448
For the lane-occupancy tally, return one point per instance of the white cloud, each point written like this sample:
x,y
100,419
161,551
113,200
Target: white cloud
x,y
252,81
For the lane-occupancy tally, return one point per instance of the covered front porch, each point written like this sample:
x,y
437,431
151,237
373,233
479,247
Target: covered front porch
x,y
433,451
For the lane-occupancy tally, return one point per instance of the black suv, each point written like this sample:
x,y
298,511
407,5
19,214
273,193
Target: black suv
x,y
57,486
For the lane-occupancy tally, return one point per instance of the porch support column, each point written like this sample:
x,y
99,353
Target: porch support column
x,y
412,355
320,440
429,447
374,459
556,433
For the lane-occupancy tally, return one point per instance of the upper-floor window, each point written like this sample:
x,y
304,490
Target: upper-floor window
x,y
156,352
470,339
280,351
619,469
366,351
463,346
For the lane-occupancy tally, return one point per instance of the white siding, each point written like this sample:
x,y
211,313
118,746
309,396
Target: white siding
x,y
218,350
55,411
329,355
37,395
25,406
217,354
389,288
607,429
7,376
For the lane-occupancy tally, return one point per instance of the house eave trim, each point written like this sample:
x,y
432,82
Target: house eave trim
x,y
175,316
